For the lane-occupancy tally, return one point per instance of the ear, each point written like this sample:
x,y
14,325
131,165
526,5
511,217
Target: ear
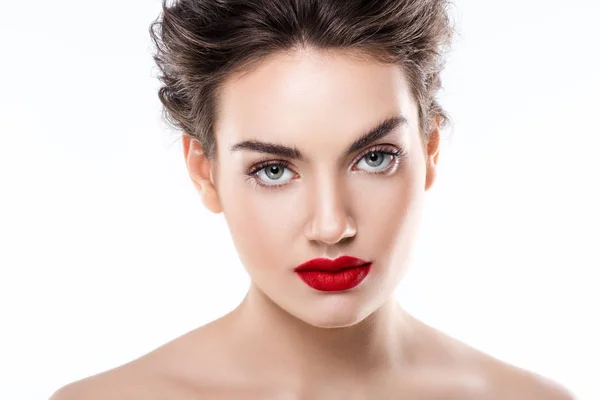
x,y
432,153
199,167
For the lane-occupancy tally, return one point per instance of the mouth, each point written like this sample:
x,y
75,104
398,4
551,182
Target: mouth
x,y
327,275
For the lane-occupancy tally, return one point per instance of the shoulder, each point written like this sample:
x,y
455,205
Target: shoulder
x,y
512,382
103,385
143,378
494,378
131,382
127,382
177,369
503,380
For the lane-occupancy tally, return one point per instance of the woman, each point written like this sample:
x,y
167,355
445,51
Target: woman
x,y
312,125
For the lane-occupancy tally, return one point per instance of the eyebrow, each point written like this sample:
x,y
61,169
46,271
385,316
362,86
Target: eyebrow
x,y
381,130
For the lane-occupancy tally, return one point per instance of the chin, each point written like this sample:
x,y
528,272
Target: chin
x,y
332,322
335,312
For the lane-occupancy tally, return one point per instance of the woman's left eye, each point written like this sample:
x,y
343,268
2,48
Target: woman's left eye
x,y
376,161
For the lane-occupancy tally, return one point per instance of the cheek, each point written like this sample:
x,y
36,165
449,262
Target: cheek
x,y
259,222
388,215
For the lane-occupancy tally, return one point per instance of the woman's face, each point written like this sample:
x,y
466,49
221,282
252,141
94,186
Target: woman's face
x,y
294,182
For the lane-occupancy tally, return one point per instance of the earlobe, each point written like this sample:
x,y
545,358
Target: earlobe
x,y
199,167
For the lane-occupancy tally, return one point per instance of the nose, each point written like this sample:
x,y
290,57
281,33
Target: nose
x,y
330,221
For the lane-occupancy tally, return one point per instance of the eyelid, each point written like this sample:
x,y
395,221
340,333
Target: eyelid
x,y
262,164
252,172
390,149
383,148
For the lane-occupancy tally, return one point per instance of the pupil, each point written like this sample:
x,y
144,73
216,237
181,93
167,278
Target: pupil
x,y
274,171
374,159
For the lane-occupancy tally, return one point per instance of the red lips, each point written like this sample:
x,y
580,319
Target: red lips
x,y
327,275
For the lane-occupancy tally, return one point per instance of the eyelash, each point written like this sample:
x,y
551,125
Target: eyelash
x,y
398,155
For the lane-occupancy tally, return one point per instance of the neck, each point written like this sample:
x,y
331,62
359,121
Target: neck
x,y
275,339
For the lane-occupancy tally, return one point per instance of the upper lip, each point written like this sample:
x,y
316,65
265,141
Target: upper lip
x,y
326,264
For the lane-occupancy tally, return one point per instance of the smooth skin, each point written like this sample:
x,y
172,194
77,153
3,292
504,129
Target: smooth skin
x,y
287,340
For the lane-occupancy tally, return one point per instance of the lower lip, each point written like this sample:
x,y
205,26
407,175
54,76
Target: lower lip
x,y
335,281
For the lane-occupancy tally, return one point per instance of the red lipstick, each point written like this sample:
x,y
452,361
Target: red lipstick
x,y
327,275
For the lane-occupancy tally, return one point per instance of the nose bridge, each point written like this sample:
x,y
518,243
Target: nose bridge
x,y
330,219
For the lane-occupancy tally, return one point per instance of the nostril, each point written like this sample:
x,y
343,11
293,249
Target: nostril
x,y
332,231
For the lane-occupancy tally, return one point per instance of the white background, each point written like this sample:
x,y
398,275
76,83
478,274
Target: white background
x,y
106,251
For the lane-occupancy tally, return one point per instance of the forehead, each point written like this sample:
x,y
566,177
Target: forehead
x,y
311,96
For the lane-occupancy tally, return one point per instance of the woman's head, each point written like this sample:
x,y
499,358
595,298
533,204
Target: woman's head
x,y
313,126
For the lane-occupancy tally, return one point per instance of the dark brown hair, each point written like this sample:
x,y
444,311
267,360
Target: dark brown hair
x,y
199,43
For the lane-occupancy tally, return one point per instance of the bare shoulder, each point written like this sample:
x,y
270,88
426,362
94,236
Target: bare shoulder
x,y
103,385
174,370
131,381
512,382
497,380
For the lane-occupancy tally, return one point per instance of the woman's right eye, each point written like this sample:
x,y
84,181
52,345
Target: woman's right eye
x,y
274,175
